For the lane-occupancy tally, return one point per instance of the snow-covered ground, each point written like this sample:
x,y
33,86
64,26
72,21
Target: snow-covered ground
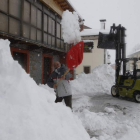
x,y
108,118
103,116
28,111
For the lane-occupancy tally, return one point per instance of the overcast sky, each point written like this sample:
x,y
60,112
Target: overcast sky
x,y
124,12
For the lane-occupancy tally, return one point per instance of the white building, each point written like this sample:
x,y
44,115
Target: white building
x,y
135,54
92,56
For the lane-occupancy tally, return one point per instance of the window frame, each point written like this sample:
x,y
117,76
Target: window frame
x,y
30,24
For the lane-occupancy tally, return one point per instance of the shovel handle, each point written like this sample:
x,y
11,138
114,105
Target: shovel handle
x,y
63,75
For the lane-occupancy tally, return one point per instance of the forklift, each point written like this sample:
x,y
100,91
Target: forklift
x,y
127,76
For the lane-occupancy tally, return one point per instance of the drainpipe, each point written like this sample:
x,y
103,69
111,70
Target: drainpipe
x,y
103,21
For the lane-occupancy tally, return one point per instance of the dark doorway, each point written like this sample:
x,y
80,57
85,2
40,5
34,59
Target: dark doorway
x,y
21,58
47,67
87,70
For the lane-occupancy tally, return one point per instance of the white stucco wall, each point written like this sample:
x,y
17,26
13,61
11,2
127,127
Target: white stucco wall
x,y
137,55
91,59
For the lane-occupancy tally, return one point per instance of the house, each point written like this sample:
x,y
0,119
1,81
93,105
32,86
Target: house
x,y
136,54
34,30
92,56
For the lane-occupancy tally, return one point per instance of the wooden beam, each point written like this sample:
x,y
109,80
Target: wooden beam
x,y
63,5
61,2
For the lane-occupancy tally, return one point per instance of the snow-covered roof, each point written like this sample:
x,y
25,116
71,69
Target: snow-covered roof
x,y
133,53
74,9
88,41
135,50
89,32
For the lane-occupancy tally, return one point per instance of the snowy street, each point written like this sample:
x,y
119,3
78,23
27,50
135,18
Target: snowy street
x,y
109,118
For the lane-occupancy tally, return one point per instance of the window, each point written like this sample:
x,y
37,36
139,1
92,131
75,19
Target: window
x,y
14,8
39,35
33,33
49,40
58,30
61,34
46,11
26,16
45,38
58,43
39,19
14,26
37,3
88,46
86,69
53,41
31,20
50,25
53,27
26,30
45,23
33,15
3,23
62,44
87,50
4,5
58,19
53,15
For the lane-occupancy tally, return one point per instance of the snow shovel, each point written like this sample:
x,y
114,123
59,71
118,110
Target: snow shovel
x,y
74,57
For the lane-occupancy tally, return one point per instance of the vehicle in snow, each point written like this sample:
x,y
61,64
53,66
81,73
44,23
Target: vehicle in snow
x,y
127,84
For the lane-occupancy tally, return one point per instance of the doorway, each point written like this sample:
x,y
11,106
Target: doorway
x,y
47,67
22,56
86,69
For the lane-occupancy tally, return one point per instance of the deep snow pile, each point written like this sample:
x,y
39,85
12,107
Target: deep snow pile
x,y
27,111
96,83
70,27
108,118
103,116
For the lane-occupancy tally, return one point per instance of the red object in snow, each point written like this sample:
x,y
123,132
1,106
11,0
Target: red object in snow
x,y
75,55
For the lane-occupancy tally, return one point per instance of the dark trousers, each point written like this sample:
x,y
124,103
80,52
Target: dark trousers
x,y
67,99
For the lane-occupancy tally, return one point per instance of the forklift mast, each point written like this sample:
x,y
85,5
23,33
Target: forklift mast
x,y
115,40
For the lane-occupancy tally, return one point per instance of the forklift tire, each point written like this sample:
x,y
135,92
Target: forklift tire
x,y
114,91
137,97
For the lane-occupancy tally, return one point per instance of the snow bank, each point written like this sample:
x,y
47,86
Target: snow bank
x,y
70,27
96,83
103,126
27,111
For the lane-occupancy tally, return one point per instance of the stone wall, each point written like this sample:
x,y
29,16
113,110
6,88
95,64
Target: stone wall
x,y
35,65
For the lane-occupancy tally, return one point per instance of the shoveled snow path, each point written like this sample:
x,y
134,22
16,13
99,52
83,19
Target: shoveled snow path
x,y
108,118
